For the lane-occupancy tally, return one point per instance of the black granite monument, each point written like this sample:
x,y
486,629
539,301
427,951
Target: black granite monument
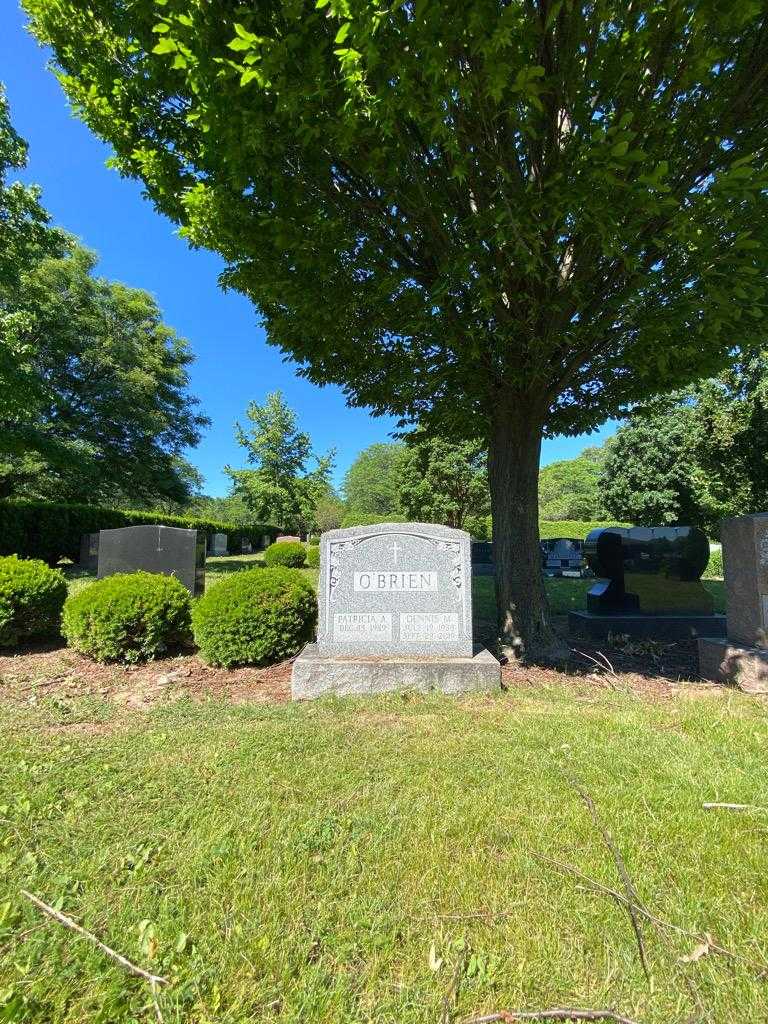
x,y
89,551
481,558
649,584
162,549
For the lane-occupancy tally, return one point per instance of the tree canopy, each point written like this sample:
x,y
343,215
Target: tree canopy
x,y
570,488
505,219
94,401
697,457
26,236
108,414
371,485
285,487
442,481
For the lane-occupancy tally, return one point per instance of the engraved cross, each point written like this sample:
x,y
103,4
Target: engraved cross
x,y
394,548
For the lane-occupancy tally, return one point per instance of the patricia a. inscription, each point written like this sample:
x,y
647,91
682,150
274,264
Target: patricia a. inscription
x,y
395,588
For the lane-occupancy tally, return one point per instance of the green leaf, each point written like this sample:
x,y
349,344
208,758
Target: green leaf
x,y
160,27
343,32
619,149
239,44
165,46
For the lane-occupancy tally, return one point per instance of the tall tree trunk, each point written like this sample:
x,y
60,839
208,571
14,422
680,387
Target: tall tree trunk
x,y
513,471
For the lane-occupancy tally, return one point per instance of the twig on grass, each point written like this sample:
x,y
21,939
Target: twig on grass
x,y
452,992
733,807
604,664
660,922
560,1013
153,979
631,902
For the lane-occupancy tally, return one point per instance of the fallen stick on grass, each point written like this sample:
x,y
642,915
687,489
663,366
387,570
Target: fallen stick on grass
x,y
139,972
631,901
560,1013
660,922
733,807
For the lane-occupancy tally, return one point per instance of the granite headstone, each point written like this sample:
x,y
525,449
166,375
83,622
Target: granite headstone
x,y
745,563
743,656
649,584
89,551
399,589
218,544
162,549
656,570
563,556
482,558
395,604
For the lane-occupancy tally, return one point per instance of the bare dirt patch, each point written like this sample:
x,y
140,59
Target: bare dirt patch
x,y
58,672
651,670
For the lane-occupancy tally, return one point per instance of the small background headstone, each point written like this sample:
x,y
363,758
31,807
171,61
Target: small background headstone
x,y
162,549
218,544
89,551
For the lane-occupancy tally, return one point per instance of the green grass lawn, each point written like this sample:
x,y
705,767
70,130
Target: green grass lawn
x,y
565,594
376,861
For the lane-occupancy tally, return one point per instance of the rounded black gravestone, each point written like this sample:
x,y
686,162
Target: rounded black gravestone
x,y
652,570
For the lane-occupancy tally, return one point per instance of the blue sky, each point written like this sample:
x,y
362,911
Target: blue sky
x,y
234,364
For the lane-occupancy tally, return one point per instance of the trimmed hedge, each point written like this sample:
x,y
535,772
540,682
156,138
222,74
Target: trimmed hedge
x,y
128,617
255,617
714,570
290,554
575,529
313,557
31,598
40,529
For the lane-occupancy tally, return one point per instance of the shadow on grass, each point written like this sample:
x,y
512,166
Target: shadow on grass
x,y
230,564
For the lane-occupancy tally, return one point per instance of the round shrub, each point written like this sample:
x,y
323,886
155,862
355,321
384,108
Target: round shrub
x,y
313,557
314,541
128,617
255,617
290,554
31,598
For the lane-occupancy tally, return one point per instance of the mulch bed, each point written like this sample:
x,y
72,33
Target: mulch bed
x,y
36,672
650,669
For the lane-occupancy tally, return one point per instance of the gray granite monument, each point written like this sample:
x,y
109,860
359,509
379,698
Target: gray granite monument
x,y
395,604
162,549
218,545
742,657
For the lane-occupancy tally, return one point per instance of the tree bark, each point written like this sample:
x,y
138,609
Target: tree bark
x,y
513,471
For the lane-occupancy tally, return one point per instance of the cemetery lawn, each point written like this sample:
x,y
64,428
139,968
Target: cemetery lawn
x,y
565,595
388,860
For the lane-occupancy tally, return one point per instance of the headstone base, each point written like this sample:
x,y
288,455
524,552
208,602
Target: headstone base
x,y
340,676
726,662
655,627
